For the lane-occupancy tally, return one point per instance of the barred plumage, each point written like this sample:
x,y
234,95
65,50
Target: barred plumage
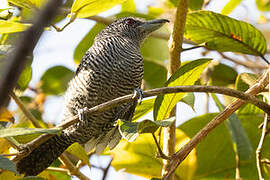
x,y
111,68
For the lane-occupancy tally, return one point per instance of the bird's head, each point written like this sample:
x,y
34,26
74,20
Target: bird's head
x,y
132,28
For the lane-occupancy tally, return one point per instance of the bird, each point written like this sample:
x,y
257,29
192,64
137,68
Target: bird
x,y
112,67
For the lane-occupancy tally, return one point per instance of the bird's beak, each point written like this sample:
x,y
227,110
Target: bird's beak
x,y
152,25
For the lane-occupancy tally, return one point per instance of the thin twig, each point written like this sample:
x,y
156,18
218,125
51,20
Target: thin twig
x,y
26,112
106,170
179,156
57,169
11,154
194,47
259,148
72,168
161,154
154,92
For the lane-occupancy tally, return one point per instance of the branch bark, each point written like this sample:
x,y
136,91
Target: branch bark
x,y
154,92
16,60
175,48
179,156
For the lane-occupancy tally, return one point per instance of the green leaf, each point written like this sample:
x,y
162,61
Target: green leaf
x,y
142,109
25,77
189,99
148,126
86,42
9,132
32,178
155,75
55,80
12,27
7,164
87,8
185,75
223,75
245,80
129,6
223,33
240,139
160,47
27,3
230,6
128,130
263,5
127,156
77,150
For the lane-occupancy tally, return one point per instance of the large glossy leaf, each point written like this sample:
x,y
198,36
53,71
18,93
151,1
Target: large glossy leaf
x,y
12,27
186,75
129,6
241,143
10,132
155,75
55,80
87,8
230,6
7,164
223,33
138,158
86,42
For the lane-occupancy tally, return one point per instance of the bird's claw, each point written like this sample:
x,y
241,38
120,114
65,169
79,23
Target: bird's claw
x,y
138,93
82,114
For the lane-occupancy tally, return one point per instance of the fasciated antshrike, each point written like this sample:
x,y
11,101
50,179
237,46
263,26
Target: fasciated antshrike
x,y
112,67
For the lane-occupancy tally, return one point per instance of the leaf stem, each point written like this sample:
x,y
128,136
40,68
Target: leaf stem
x,y
161,154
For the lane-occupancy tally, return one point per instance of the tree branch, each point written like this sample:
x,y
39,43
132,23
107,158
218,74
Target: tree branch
x,y
154,92
179,156
16,60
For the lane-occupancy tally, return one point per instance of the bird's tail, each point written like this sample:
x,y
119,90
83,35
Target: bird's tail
x,y
43,156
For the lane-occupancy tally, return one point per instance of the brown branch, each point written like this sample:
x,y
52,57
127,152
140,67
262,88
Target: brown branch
x,y
154,92
26,112
179,156
16,60
160,152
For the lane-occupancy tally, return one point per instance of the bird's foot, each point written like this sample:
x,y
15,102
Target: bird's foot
x,y
138,93
81,113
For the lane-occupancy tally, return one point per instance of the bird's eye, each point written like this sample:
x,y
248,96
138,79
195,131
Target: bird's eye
x,y
130,22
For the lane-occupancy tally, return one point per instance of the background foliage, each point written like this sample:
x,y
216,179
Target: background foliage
x,y
235,141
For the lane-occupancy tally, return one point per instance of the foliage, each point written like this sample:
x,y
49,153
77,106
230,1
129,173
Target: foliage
x,y
215,157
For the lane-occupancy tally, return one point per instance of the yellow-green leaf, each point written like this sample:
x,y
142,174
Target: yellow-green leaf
x,y
27,3
230,6
6,115
12,27
87,8
186,75
139,158
77,150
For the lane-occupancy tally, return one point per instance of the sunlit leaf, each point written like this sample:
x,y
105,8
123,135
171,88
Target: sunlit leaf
x,y
193,4
77,150
87,8
230,6
186,75
129,5
6,115
7,132
55,80
27,3
86,42
223,33
7,164
263,5
148,126
12,27
127,156
143,108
